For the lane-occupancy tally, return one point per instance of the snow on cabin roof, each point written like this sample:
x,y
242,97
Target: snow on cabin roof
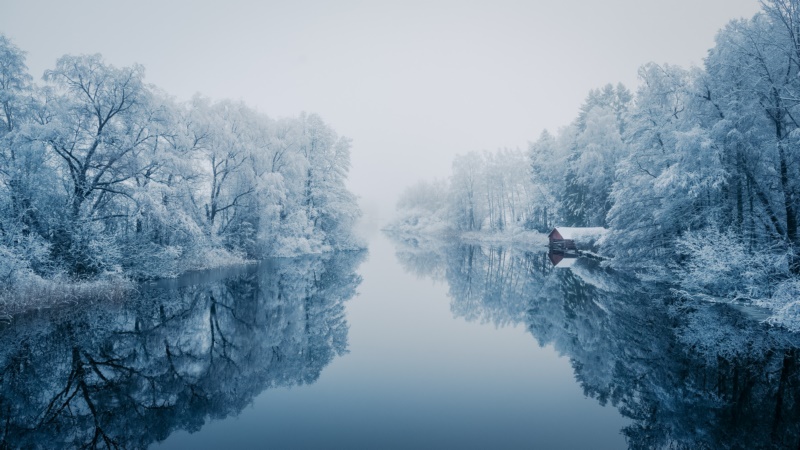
x,y
579,232
566,263
560,260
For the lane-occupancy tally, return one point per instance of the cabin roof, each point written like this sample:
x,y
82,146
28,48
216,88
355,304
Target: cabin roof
x,y
573,233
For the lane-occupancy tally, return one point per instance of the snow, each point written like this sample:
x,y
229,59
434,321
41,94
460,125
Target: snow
x,y
508,237
581,233
566,263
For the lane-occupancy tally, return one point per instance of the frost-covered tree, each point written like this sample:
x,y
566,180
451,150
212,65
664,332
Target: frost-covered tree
x,y
318,212
486,191
329,205
596,146
101,173
759,118
671,178
24,176
507,189
423,207
547,160
103,123
592,167
468,207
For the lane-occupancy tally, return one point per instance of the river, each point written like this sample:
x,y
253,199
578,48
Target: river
x,y
415,344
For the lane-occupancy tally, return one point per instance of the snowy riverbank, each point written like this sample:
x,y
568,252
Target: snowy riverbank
x,y
438,232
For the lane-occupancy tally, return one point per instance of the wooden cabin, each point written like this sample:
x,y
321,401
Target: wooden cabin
x,y
560,242
567,239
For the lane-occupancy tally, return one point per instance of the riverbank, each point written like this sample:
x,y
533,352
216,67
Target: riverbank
x,y
34,293
24,291
517,237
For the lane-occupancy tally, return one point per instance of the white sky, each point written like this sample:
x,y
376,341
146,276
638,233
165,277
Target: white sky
x,y
413,83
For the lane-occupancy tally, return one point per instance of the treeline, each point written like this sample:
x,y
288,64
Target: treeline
x,y
698,172
102,173
565,179
487,191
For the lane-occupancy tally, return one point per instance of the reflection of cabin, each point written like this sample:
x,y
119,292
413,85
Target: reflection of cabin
x,y
561,260
567,239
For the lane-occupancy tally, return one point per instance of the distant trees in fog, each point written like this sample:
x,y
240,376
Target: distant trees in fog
x,y
103,173
487,191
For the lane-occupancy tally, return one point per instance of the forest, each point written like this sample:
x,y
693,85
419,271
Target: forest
x,y
696,174
105,177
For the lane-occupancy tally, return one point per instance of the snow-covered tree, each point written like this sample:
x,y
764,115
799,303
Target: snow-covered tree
x,y
103,173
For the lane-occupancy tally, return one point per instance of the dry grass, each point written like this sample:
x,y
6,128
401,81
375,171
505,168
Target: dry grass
x,y
37,293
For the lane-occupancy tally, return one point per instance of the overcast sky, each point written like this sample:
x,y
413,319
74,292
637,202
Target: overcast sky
x,y
413,83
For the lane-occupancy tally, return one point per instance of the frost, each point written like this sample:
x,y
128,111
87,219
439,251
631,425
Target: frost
x,y
103,175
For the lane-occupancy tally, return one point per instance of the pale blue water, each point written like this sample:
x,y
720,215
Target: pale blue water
x,y
445,346
417,377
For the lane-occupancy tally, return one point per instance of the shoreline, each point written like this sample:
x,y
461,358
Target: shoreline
x,y
34,293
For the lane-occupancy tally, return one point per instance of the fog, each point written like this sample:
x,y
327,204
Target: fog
x,y
412,83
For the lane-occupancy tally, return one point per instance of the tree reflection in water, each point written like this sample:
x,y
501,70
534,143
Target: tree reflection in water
x,y
689,375
187,350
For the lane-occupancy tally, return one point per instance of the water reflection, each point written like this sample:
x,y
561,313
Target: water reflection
x,y
688,375
188,350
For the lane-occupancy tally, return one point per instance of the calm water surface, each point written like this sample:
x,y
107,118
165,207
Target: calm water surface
x,y
415,345
416,376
